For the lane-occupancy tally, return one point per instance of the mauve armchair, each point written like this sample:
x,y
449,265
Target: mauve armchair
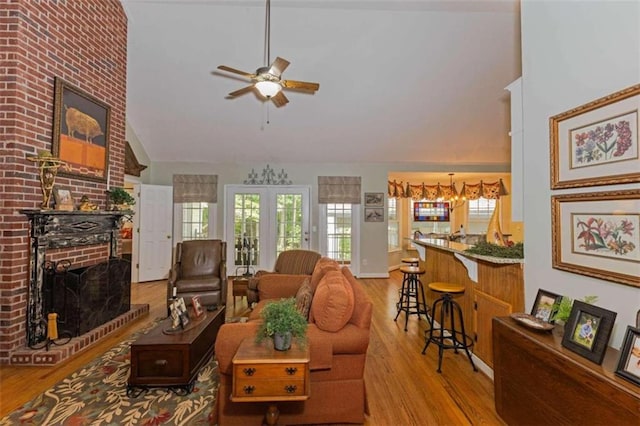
x,y
289,262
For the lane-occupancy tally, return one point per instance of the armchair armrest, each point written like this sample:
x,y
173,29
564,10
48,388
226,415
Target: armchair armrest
x,y
277,286
252,287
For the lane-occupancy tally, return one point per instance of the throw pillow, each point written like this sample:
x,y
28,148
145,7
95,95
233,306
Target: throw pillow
x,y
322,267
304,296
333,302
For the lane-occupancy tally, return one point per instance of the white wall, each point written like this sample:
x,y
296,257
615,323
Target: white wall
x,y
573,52
373,236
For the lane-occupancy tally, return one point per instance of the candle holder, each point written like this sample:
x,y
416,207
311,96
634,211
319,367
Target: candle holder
x,y
48,166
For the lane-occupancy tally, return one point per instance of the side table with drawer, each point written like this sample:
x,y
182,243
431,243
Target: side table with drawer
x,y
239,287
261,373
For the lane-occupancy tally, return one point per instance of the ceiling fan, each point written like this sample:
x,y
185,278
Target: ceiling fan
x,y
267,80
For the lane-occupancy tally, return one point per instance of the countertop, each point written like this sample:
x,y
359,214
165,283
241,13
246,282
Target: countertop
x,y
459,248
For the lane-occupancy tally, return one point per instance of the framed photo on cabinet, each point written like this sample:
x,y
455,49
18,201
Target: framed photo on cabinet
x,y
588,330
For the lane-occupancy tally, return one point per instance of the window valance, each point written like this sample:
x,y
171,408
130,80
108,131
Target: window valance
x,y
195,188
339,189
469,191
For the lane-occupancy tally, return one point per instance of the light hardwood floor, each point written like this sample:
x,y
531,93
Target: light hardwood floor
x,y
403,387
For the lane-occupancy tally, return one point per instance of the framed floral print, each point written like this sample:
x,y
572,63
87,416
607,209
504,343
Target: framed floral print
x,y
597,143
598,235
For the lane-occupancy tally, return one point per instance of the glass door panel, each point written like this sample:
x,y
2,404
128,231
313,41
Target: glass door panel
x,y
288,222
246,232
263,221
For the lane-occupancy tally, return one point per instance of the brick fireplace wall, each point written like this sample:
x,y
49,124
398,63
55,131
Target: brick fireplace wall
x,y
84,42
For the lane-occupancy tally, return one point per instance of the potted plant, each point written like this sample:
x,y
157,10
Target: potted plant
x,y
119,199
281,320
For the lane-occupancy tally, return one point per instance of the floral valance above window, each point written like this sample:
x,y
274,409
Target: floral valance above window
x,y
434,192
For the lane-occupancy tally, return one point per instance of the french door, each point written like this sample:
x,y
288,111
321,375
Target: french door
x,y
261,221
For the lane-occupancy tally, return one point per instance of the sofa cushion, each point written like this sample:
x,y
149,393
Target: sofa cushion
x,y
322,267
304,297
333,302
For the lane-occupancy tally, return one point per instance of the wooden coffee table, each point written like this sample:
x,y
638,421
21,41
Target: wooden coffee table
x,y
162,358
260,373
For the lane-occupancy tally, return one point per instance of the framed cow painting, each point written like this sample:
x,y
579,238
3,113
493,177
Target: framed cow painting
x,y
80,133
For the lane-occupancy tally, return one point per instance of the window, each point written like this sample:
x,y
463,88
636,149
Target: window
x,y
195,221
393,225
480,212
338,225
441,225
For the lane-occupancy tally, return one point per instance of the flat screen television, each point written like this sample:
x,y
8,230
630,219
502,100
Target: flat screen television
x,y
431,211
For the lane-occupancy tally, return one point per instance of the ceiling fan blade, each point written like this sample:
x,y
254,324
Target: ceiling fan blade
x,y
241,91
300,85
280,99
235,71
278,66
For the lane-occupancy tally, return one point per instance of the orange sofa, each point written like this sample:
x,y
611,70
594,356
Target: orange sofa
x,y
338,338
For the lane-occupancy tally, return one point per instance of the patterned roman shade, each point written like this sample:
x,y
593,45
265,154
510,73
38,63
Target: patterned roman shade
x,y
339,189
195,188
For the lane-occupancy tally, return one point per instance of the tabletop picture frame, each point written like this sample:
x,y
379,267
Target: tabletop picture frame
x,y
629,362
197,306
63,198
588,330
597,143
80,132
597,234
546,306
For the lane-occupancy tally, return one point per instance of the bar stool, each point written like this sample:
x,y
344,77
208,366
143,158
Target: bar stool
x,y
457,339
412,300
411,261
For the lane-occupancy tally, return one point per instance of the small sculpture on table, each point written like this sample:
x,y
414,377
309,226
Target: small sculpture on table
x,y
86,205
48,165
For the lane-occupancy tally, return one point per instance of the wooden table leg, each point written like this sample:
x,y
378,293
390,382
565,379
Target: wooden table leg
x,y
272,415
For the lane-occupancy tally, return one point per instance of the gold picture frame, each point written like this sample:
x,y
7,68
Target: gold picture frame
x,y
598,235
63,198
80,133
597,143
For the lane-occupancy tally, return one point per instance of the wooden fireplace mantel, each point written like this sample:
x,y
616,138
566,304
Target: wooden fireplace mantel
x,y
49,229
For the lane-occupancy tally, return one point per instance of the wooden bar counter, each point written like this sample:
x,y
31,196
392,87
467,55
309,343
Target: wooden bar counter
x,y
493,286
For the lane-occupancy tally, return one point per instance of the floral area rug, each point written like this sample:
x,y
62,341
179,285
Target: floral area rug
x,y
97,395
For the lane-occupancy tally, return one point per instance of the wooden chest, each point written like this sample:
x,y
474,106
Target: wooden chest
x,y
260,373
161,358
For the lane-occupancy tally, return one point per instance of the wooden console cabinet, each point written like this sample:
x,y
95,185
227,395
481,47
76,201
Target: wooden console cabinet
x,y
537,381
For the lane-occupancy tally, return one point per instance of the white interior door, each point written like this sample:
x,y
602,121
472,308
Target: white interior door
x,y
155,242
262,221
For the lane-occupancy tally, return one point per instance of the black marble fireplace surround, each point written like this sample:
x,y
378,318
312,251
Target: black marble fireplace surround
x,y
87,297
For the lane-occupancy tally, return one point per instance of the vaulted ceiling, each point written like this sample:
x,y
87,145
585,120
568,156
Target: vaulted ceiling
x,y
407,81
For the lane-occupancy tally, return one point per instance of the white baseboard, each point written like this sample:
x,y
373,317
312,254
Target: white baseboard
x,y
373,275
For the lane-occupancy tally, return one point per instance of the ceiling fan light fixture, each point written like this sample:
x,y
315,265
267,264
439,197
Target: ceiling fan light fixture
x,y
268,88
